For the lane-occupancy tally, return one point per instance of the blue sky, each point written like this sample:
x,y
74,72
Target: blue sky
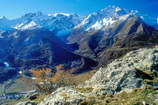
x,y
16,8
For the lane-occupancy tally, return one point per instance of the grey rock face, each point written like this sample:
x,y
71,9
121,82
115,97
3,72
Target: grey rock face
x,y
63,96
122,74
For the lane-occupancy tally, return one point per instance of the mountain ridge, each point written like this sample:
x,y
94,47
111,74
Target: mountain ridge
x,y
75,20
120,29
47,49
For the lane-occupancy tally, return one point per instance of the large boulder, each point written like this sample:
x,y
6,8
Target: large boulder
x,y
64,96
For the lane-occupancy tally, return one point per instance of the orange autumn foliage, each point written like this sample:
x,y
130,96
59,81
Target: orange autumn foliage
x,y
41,74
72,79
60,75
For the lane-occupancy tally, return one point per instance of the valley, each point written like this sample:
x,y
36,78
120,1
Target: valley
x,y
106,58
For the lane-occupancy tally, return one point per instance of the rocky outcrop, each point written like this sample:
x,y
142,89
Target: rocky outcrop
x,y
127,72
124,74
64,96
121,79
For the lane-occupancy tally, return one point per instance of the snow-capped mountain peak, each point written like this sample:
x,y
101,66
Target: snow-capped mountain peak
x,y
63,22
117,9
66,22
57,14
30,25
105,18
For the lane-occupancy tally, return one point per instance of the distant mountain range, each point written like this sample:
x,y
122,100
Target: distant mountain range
x,y
66,22
60,22
36,40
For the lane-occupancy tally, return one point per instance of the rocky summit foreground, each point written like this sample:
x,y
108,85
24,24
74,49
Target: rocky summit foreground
x,y
129,80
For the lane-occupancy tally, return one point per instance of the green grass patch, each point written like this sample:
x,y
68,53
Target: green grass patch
x,y
84,90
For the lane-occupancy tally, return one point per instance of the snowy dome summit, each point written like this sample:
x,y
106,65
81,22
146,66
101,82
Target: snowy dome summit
x,y
64,22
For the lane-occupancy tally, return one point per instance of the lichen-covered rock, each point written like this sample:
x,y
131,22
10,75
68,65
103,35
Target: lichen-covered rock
x,y
64,96
125,73
149,60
